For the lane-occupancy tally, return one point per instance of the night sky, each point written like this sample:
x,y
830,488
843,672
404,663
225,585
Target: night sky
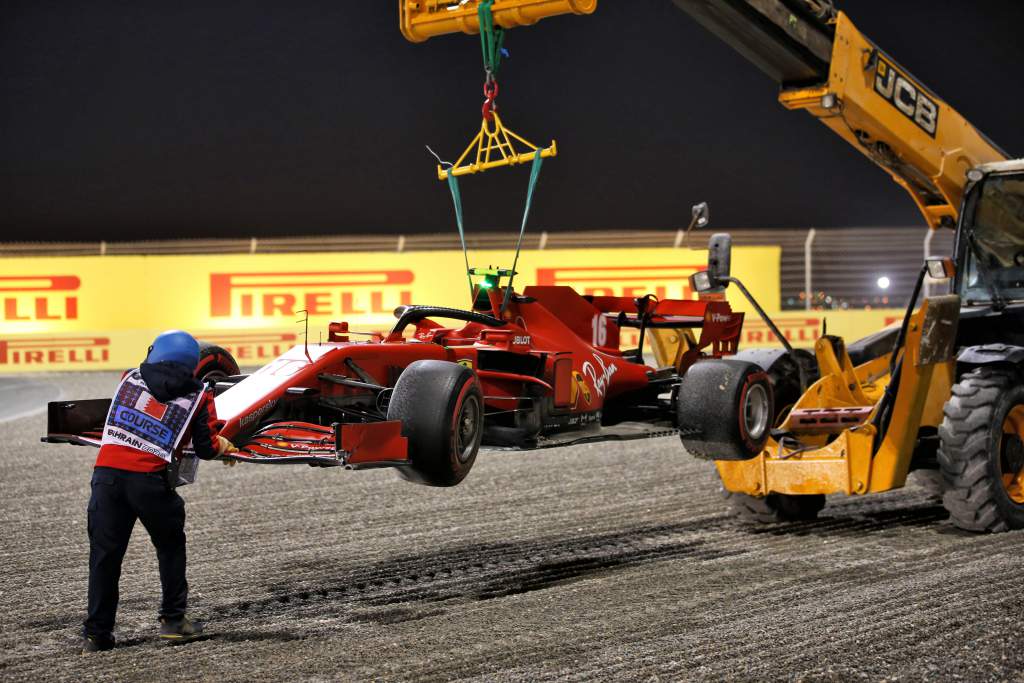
x,y
142,119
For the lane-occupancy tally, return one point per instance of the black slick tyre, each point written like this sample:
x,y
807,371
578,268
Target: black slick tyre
x,y
981,452
214,363
441,408
724,409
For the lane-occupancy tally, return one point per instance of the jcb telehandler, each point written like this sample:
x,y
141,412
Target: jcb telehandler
x,y
945,390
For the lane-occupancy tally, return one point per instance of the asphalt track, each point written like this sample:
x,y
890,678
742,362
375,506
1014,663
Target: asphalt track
x,y
605,561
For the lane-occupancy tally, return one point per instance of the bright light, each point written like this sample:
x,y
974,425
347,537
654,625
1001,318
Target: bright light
x,y
883,282
485,285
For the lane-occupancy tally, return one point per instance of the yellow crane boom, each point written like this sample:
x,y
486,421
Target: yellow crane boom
x,y
824,66
828,68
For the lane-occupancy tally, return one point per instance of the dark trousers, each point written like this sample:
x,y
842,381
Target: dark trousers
x,y
119,497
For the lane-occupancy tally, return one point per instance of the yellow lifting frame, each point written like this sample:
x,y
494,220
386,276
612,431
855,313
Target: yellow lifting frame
x,y
494,146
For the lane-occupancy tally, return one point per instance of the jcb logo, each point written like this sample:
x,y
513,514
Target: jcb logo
x,y
270,295
665,282
39,297
905,95
803,330
247,347
44,351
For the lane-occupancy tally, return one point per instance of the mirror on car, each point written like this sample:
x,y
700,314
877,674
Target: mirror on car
x,y
701,215
720,258
700,282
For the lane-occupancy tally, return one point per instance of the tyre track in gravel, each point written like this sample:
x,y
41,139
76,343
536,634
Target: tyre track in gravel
x,y
597,562
485,572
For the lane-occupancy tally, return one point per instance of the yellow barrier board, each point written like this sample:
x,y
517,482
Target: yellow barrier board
x,y
101,312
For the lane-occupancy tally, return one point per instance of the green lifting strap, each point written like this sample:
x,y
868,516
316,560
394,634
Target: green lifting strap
x,y
491,39
453,185
538,161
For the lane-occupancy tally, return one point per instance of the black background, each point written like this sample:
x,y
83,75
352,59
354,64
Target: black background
x,y
140,119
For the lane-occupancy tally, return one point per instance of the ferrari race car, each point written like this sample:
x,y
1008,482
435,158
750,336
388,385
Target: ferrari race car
x,y
519,371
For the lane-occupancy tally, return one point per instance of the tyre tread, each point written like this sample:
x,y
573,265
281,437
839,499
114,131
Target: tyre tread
x,y
963,454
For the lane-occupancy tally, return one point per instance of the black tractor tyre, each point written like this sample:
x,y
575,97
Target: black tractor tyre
x,y
724,409
441,408
775,507
214,363
975,454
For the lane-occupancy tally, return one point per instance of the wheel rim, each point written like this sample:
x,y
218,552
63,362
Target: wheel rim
x,y
466,427
1011,454
755,411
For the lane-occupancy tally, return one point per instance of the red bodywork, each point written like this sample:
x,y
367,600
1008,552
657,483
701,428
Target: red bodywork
x,y
549,365
555,346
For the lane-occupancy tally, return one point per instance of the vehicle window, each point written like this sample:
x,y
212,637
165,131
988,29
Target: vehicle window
x,y
998,225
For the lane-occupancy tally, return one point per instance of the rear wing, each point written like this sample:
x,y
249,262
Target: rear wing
x,y
76,422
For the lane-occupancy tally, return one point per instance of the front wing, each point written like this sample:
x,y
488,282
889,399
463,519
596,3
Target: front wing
x,y
350,445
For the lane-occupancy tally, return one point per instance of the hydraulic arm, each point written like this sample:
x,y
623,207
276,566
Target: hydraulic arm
x,y
825,66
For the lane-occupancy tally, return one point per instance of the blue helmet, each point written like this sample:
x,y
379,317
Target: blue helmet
x,y
175,346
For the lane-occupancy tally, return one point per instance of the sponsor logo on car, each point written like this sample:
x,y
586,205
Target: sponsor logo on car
x,y
601,379
34,298
258,413
284,294
664,282
579,390
84,351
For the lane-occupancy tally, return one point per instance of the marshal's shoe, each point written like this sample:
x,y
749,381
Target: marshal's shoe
x,y
97,643
179,630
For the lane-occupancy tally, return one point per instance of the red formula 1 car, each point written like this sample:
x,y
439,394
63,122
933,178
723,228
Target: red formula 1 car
x,y
521,371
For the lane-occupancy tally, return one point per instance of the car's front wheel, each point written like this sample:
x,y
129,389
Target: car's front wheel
x,y
441,408
215,363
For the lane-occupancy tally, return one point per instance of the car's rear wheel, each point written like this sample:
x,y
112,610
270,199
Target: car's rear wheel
x,y
441,408
214,363
724,409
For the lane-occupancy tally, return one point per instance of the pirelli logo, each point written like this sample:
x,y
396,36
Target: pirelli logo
x,y
796,330
804,329
253,347
43,351
282,295
910,99
34,298
665,282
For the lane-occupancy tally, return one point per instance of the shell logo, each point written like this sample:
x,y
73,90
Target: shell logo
x,y
579,388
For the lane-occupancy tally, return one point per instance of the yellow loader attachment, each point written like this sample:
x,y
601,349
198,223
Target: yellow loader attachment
x,y
423,19
829,441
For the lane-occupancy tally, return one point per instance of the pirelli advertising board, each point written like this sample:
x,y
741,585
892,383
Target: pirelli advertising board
x,y
80,313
